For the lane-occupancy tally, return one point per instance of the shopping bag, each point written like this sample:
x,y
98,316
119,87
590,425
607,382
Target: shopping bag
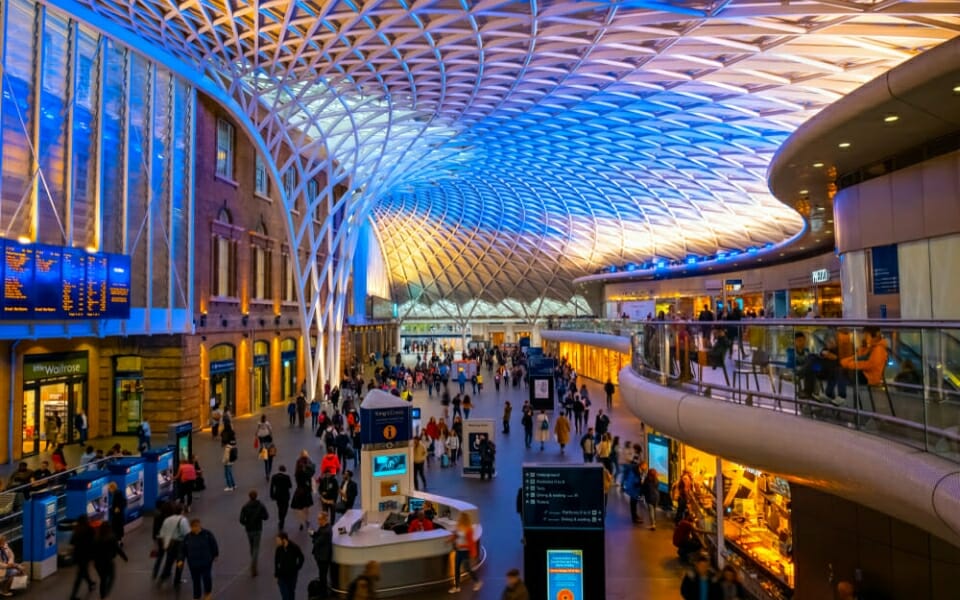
x,y
20,582
256,443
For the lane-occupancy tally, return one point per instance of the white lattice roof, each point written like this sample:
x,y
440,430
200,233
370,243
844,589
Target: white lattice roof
x,y
504,148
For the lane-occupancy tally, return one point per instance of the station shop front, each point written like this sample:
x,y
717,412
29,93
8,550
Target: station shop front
x,y
598,364
54,392
744,512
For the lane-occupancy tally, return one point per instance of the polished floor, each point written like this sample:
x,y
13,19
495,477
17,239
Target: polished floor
x,y
640,563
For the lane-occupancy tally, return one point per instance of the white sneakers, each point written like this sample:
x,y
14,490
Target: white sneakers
x,y
454,590
477,586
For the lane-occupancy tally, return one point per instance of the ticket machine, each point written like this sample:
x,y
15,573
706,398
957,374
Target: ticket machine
x,y
128,474
40,535
157,476
87,494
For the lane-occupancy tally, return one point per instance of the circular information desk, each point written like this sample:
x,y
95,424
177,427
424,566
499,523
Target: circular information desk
x,y
408,561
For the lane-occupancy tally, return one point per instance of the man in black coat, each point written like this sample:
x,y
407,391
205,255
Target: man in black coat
x,y
348,492
118,511
322,550
252,516
280,486
287,562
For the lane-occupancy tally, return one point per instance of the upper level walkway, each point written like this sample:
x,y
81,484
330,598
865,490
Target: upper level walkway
x,y
874,418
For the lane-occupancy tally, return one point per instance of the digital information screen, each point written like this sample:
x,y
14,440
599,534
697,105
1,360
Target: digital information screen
x,y
658,451
57,283
563,497
565,574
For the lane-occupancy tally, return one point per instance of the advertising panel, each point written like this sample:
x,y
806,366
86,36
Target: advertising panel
x,y
474,431
565,575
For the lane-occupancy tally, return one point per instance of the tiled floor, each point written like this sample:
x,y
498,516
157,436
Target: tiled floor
x,y
640,563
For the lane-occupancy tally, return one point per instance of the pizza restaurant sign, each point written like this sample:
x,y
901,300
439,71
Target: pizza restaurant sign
x,y
820,276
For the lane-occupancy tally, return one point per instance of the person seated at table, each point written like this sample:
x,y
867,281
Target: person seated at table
x,y
869,361
718,351
418,522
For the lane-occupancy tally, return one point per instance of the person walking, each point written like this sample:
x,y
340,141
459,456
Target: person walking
x,y
81,424
322,550
118,511
419,462
287,562
467,407
82,543
200,551
609,389
252,516
301,502
186,479
488,454
588,443
364,586
280,486
170,541
465,546
328,488
292,412
106,548
453,447
543,428
515,590
507,411
230,454
314,414
527,422
301,409
562,430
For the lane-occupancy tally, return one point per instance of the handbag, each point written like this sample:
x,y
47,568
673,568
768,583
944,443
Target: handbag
x,y
19,582
262,455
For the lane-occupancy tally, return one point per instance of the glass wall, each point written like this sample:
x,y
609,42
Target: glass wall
x,y
594,363
97,147
128,394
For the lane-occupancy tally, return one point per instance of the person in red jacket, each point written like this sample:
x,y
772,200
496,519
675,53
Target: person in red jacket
x,y
330,465
420,523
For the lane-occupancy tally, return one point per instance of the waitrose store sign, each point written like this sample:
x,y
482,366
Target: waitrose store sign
x,y
48,367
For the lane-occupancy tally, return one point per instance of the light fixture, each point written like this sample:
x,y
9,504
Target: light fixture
x,y
783,254
843,145
891,118
24,240
804,192
956,89
817,165
91,249
829,220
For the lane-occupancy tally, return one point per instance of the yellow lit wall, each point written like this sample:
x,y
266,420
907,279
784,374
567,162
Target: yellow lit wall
x,y
594,363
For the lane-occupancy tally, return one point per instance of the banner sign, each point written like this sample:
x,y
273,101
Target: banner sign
x,y
386,425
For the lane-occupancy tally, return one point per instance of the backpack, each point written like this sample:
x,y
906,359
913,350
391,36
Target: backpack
x,y
544,425
234,454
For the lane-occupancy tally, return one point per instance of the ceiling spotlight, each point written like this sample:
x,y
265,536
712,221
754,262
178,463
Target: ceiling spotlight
x,y
956,89
817,165
843,145
24,240
804,192
891,118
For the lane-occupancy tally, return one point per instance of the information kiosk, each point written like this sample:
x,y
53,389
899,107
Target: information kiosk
x,y
563,524
181,438
128,474
87,494
40,535
378,530
157,476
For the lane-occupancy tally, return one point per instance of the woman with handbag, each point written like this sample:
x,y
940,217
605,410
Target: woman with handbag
x,y
11,570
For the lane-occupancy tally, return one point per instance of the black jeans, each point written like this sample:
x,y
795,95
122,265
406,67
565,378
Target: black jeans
x,y
107,574
202,577
171,557
418,472
83,574
486,469
323,567
282,507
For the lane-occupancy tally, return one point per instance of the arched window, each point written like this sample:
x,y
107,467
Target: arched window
x,y
224,253
261,264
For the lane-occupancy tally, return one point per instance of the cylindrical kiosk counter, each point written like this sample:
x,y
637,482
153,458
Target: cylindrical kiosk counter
x,y
378,531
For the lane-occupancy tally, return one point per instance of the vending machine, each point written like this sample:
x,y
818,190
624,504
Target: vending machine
x,y
40,535
87,494
127,473
157,476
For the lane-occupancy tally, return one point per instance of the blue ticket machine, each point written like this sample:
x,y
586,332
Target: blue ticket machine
x,y
40,535
87,494
157,476
128,474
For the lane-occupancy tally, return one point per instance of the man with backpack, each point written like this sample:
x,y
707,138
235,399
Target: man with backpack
x,y
329,490
252,516
230,455
588,444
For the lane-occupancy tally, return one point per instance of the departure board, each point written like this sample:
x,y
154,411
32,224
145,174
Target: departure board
x,y
42,282
563,497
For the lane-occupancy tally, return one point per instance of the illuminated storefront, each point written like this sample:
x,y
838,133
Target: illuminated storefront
x,y
591,362
54,392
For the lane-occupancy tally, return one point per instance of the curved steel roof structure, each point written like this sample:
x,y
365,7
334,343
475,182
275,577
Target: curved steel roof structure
x,y
504,148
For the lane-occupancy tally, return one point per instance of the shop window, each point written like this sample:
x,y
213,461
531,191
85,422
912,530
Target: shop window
x,y
261,266
288,293
223,377
54,393
127,394
313,191
289,186
261,373
288,372
225,135
224,253
262,182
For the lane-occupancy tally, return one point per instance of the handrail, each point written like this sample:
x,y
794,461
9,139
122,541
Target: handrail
x,y
43,483
752,362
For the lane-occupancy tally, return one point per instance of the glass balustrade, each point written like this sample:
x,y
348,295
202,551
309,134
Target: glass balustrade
x,y
899,380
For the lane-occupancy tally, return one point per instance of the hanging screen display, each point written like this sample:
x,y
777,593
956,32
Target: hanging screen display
x,y
57,283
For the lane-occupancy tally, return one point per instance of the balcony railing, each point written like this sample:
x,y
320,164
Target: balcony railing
x,y
896,379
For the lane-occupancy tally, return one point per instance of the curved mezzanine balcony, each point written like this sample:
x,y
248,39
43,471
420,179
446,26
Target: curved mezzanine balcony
x,y
889,439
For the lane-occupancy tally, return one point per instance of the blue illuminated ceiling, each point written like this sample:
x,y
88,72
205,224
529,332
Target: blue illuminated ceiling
x,y
505,148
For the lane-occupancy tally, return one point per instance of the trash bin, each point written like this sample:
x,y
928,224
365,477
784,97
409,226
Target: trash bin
x,y
64,550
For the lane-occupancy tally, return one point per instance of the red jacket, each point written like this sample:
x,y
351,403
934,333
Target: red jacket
x,y
330,464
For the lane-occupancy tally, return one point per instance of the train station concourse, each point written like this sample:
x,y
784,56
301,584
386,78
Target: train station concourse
x,y
565,300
